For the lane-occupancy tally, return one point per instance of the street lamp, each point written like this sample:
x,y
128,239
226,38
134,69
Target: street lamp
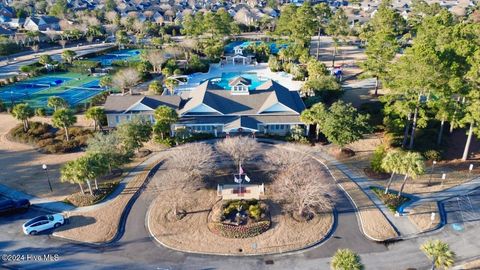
x,y
431,172
45,168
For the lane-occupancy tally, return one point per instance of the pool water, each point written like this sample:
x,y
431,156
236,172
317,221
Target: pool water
x,y
108,58
274,46
227,77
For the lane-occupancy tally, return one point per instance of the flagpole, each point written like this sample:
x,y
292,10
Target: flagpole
x,y
240,181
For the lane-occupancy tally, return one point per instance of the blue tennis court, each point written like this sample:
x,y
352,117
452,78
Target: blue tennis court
x,y
24,89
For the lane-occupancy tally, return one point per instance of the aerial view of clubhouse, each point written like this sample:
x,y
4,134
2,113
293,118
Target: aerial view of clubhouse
x,y
239,135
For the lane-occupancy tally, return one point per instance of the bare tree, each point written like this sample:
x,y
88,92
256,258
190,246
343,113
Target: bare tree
x,y
195,161
63,43
156,58
300,184
240,149
126,78
112,17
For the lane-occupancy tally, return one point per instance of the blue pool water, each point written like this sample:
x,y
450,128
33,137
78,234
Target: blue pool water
x,y
274,46
107,59
227,77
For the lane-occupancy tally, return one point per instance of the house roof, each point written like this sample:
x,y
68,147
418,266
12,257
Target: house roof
x,y
238,80
235,122
265,96
122,104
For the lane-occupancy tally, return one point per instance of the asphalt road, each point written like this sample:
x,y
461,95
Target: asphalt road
x,y
12,69
137,250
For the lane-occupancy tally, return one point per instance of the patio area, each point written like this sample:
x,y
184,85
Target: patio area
x,y
217,70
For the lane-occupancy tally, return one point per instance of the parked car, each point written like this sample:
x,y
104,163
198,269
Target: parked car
x,y
13,206
42,223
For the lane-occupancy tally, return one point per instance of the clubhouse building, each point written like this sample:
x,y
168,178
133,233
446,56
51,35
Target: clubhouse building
x,y
270,108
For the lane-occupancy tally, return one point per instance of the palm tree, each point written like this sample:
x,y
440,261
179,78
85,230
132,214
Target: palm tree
x,y
171,84
56,102
23,112
412,165
439,253
392,163
68,56
345,259
64,118
97,114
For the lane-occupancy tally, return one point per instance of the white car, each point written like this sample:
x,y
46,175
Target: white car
x,y
42,223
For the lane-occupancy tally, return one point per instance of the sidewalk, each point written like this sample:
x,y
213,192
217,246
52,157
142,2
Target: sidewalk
x,y
401,223
458,190
57,206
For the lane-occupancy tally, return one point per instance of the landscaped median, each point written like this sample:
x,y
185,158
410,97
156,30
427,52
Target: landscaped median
x,y
192,233
373,222
101,224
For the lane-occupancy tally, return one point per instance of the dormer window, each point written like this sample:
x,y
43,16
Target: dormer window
x,y
238,50
239,85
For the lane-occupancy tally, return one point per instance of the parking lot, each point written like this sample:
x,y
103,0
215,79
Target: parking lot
x,y
463,212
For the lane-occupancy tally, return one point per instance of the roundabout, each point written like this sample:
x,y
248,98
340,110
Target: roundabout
x,y
137,249
210,223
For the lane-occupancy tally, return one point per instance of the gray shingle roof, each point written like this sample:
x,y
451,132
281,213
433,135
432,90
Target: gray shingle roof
x,y
238,80
265,96
119,104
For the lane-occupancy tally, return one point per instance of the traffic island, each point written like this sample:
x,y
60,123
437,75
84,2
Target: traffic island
x,y
194,234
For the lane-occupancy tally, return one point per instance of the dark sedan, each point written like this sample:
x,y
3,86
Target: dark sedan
x,y
13,206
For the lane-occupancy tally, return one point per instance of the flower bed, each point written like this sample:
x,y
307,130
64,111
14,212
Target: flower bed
x,y
391,200
241,231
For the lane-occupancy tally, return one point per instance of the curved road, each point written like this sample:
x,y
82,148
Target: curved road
x,y
137,250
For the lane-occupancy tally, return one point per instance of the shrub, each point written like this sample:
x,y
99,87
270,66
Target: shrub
x,y
391,200
376,162
432,154
255,211
244,231
2,106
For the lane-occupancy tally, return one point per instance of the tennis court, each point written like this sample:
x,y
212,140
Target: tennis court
x,y
74,88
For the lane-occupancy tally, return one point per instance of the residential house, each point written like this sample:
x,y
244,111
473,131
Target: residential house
x,y
42,23
269,108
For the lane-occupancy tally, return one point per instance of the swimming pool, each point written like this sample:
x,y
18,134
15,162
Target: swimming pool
x,y
274,46
108,58
228,76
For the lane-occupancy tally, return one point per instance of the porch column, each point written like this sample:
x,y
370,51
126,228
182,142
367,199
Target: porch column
x,y
215,131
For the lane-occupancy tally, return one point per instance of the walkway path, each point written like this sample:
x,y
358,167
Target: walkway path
x,y
442,195
402,224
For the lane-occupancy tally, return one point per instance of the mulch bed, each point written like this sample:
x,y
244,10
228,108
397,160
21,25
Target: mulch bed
x,y
375,175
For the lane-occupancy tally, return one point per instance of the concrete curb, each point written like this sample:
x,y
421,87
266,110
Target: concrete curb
x,y
291,252
359,218
124,215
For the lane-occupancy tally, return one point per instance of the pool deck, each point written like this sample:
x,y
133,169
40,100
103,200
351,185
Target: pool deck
x,y
262,70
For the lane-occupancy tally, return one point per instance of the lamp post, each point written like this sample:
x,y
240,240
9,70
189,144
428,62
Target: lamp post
x,y
45,168
431,172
